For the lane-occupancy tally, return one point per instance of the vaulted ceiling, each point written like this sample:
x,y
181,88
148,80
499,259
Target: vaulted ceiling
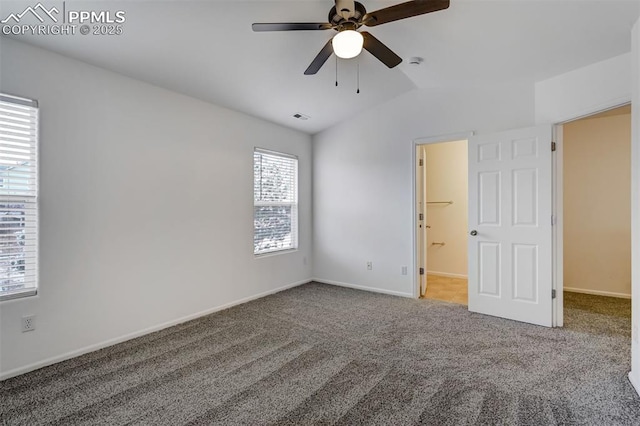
x,y
206,49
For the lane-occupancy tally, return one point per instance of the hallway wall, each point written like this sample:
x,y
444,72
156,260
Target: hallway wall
x,y
597,205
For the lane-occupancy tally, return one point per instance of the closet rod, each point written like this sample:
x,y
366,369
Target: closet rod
x,y
439,202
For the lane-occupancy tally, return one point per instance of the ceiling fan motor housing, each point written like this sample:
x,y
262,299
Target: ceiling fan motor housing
x,y
341,23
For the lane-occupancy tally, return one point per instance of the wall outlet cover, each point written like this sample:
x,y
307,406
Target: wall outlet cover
x,y
28,323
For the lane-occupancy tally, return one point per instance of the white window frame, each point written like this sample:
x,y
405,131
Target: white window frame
x,y
28,197
293,205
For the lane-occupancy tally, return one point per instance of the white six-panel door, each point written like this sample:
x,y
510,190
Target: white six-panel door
x,y
510,238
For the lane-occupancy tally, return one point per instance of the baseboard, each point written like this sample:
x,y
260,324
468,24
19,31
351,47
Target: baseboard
x,y
364,288
115,341
597,292
634,382
446,274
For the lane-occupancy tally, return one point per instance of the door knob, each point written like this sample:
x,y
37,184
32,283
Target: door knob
x,y
473,233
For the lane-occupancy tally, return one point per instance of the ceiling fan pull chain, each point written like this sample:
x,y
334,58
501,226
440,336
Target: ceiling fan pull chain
x,y
358,73
336,71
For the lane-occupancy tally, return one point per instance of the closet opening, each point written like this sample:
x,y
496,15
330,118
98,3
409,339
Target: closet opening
x,y
442,204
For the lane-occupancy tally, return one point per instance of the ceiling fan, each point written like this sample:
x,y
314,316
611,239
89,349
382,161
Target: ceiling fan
x,y
346,17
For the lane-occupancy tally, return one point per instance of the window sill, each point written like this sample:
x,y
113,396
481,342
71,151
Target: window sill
x,y
18,294
274,253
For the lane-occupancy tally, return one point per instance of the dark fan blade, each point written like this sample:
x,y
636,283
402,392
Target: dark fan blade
x,y
380,51
292,26
319,60
403,10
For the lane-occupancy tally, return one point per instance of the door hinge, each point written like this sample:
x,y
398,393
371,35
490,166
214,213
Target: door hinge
x,y
553,294
421,162
553,220
553,146
421,271
420,216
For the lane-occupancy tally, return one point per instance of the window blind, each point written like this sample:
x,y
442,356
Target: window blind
x,y
275,201
18,196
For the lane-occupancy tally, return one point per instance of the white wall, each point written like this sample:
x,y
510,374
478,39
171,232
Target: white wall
x,y
581,92
597,205
363,173
635,209
363,167
146,208
447,180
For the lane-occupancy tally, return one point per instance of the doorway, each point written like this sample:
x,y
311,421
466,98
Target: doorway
x,y
442,194
596,213
509,242
515,253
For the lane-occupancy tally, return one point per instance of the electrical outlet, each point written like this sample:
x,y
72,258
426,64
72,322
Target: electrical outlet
x,y
28,323
369,265
404,270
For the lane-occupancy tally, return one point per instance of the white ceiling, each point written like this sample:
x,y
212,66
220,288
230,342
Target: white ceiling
x,y
206,49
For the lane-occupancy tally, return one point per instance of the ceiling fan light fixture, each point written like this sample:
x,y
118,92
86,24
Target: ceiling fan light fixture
x,y
347,44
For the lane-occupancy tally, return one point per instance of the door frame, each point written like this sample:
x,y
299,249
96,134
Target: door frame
x,y
417,261
558,213
557,242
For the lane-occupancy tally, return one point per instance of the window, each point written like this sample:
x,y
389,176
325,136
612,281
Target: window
x,y
18,197
275,202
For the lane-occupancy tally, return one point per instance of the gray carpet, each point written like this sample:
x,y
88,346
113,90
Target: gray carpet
x,y
319,354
